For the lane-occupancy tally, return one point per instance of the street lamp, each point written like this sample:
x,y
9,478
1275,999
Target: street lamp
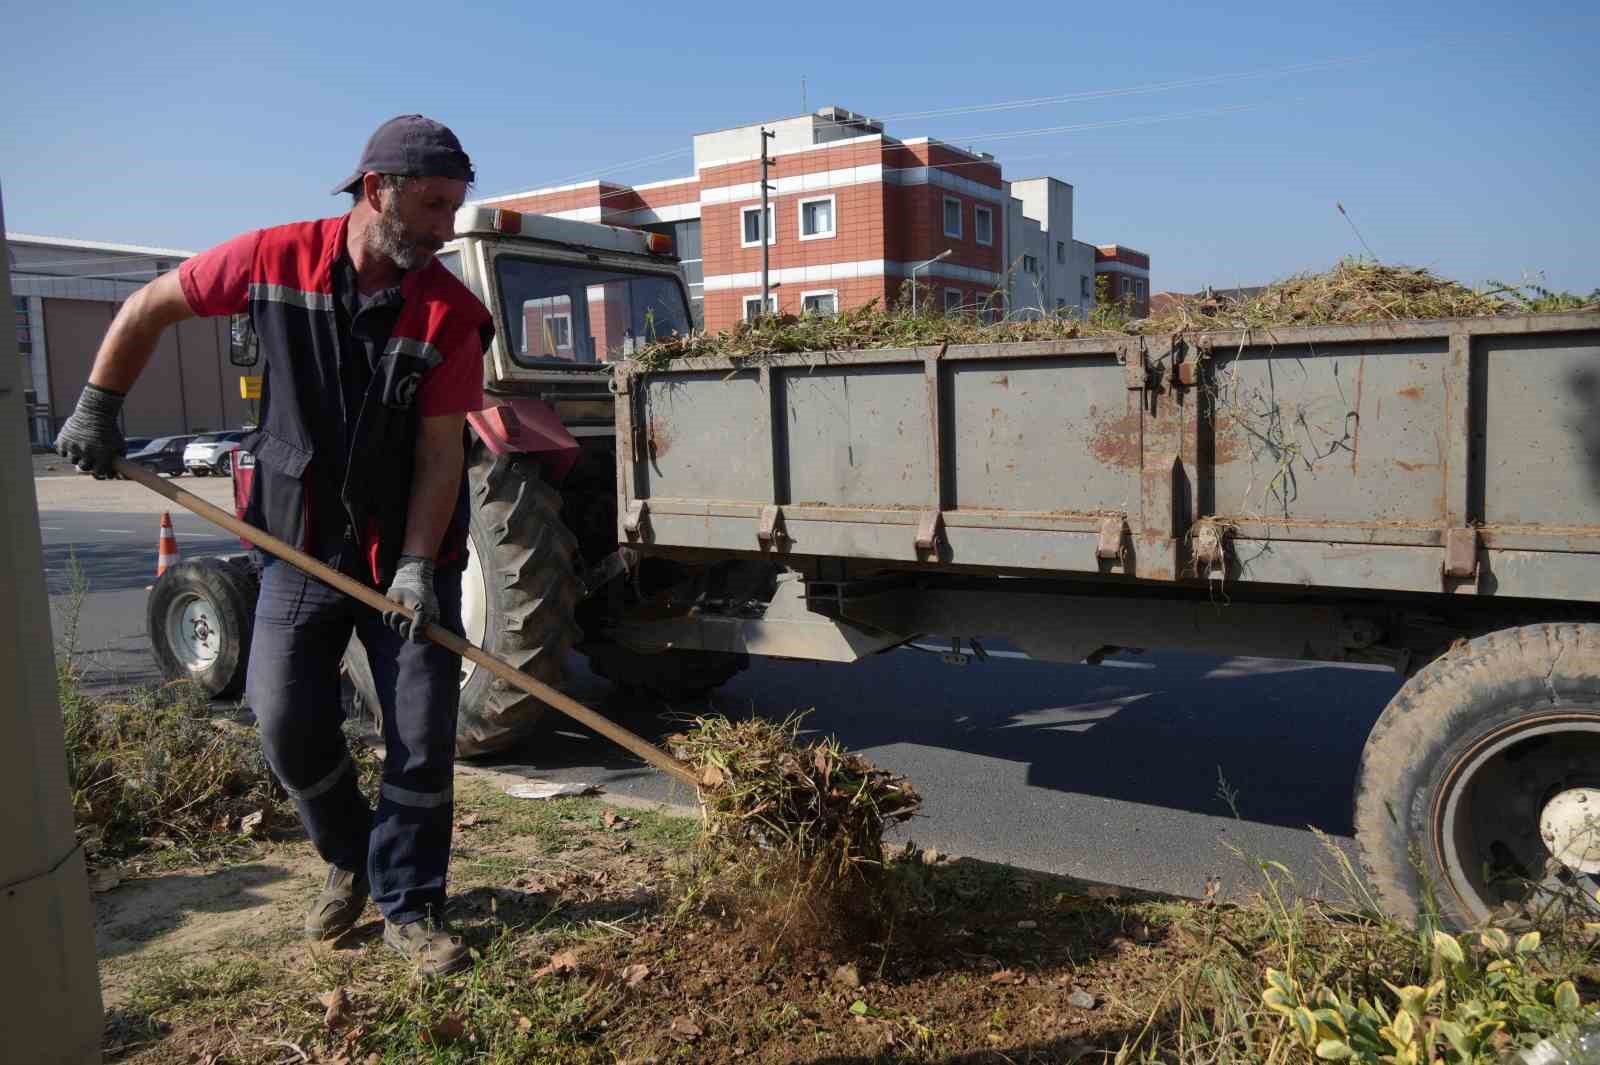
x,y
922,266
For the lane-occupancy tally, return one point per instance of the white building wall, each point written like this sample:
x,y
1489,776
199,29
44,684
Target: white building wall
x,y
1039,219
1081,256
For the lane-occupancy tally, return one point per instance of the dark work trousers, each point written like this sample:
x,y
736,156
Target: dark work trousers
x,y
302,627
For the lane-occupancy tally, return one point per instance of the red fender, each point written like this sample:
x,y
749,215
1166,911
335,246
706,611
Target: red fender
x,y
519,425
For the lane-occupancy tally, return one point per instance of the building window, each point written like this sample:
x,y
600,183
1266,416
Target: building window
x,y
1085,290
1030,263
983,225
558,331
752,306
1061,252
1061,304
953,298
750,227
952,217
547,327
816,218
19,307
823,302
1139,288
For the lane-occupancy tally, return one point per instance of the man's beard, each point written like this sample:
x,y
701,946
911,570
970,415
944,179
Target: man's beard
x,y
387,236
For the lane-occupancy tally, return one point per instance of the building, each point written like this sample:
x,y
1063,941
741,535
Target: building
x,y
64,295
852,213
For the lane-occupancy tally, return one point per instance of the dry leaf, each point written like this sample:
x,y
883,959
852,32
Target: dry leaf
x,y
251,823
1007,976
469,821
1026,925
561,963
445,1031
105,879
847,975
712,777
684,1030
523,1023
338,1005
636,974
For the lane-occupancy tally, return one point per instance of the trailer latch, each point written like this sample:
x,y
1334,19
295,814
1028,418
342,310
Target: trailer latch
x,y
636,522
930,532
1461,554
1112,529
771,532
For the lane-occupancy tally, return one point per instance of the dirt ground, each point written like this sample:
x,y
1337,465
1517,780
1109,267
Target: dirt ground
x,y
586,956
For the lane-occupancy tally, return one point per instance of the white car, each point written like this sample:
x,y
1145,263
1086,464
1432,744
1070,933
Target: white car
x,y
212,453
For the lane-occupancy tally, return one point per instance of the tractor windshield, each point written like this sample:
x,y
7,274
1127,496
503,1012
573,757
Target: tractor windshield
x,y
557,313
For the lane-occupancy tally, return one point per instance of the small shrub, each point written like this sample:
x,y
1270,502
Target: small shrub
x,y
156,766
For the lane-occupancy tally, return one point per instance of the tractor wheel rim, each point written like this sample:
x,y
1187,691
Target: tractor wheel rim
x,y
1487,822
193,632
474,606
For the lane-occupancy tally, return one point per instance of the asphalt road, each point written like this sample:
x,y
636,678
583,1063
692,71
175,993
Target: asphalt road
x,y
1112,773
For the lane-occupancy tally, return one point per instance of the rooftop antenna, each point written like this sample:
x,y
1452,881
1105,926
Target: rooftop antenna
x,y
1357,232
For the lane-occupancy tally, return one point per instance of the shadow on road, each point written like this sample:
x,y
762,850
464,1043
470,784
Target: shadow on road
x,y
1160,730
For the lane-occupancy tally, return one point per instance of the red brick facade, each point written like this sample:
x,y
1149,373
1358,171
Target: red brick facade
x,y
1127,274
888,201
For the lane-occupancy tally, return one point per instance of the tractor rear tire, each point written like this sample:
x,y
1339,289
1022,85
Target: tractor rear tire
x,y
519,597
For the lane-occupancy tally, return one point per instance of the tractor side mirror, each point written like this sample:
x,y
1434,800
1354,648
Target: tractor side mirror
x,y
242,347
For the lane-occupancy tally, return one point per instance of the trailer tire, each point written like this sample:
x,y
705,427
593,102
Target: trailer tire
x,y
671,675
200,617
522,571
1459,771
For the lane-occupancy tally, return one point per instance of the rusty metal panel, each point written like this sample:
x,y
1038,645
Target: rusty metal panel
x,y
1344,433
1539,430
859,436
1043,435
705,436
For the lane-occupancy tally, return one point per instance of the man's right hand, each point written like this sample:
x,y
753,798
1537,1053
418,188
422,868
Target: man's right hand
x,y
91,438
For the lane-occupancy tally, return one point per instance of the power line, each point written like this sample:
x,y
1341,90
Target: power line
x,y
1144,89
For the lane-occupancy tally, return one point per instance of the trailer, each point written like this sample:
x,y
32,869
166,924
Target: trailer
x,y
1420,494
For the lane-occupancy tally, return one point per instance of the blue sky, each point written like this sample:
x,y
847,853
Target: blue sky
x,y
1459,136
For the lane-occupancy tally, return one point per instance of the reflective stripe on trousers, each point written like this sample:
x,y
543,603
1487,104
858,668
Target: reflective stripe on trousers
x,y
302,627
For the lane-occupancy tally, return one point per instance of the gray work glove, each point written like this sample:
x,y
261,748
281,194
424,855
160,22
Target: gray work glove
x,y
91,438
412,588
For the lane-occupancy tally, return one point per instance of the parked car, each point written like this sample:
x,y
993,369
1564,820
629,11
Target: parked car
x,y
212,453
164,454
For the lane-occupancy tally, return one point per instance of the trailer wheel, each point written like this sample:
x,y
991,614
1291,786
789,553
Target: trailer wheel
x,y
1479,785
671,675
200,616
519,598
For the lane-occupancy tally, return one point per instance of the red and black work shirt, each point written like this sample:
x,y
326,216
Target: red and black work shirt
x,y
345,381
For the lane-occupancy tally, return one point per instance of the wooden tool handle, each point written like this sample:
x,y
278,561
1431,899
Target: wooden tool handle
x,y
441,636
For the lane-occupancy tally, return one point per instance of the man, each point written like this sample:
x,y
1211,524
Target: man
x,y
372,356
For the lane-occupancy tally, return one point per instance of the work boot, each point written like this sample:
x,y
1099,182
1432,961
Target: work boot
x,y
429,945
339,906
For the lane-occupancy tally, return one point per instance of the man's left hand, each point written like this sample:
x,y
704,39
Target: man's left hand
x,y
412,588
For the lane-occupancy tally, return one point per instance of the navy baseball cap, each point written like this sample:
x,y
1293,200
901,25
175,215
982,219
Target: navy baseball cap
x,y
411,146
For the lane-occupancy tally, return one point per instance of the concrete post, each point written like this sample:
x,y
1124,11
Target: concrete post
x,y
49,988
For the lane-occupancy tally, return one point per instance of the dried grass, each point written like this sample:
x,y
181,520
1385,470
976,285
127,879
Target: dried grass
x,y
1353,291
793,830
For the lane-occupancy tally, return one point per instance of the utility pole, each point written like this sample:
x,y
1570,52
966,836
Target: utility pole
x,y
766,237
49,990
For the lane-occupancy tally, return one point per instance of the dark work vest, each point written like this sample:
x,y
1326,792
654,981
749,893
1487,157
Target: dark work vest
x,y
292,308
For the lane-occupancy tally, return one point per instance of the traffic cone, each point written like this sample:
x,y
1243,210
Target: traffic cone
x,y
167,549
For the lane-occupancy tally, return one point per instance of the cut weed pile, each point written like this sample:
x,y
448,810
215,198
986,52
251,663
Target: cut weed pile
x,y
793,831
1354,291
